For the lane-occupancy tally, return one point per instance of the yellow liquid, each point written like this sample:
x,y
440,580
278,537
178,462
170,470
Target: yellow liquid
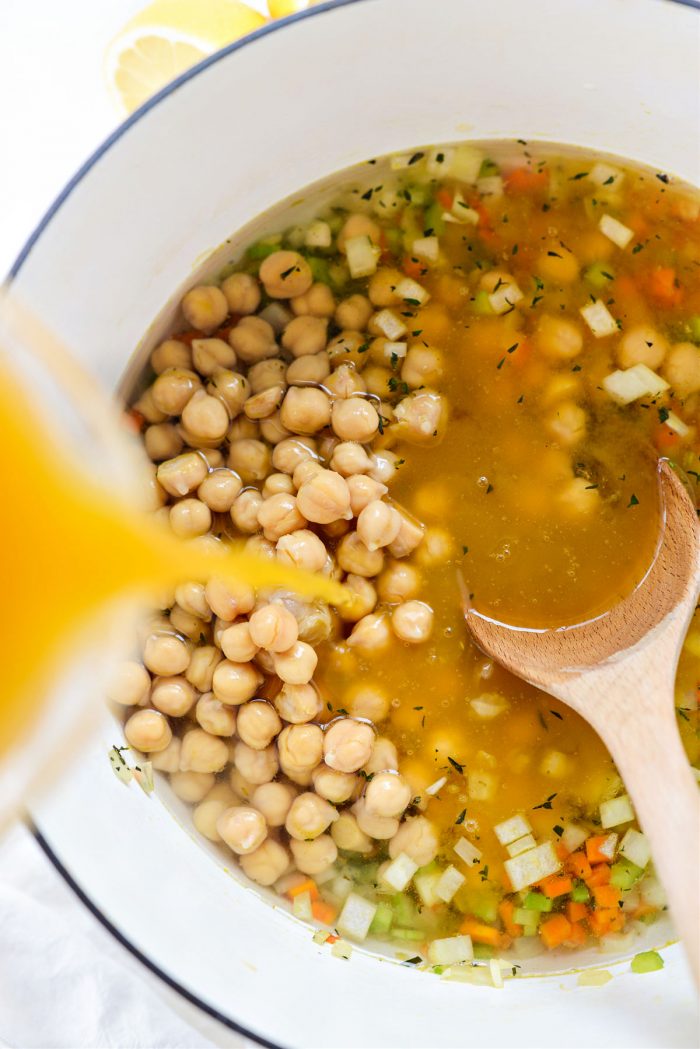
x,y
69,548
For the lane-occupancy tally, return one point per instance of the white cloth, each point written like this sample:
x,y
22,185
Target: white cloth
x,y
66,982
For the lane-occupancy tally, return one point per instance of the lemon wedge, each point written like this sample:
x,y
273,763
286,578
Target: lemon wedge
x,y
282,8
168,37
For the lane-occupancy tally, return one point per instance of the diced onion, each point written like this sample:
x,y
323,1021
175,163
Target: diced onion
x,y
329,874
573,836
521,845
451,949
606,175
399,872
532,866
490,186
301,906
437,786
481,785
356,917
635,847
450,882
425,885
320,936
362,256
412,291
342,887
615,231
439,161
144,777
466,163
652,891
489,705
496,974
318,235
599,319
120,768
512,829
505,297
616,811
677,425
467,852
555,763
633,383
609,846
461,212
398,349
341,949
427,248
400,161
390,324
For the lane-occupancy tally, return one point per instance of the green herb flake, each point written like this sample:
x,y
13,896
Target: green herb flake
x,y
633,501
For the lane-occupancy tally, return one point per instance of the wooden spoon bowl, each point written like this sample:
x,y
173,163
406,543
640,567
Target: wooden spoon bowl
x,y
618,672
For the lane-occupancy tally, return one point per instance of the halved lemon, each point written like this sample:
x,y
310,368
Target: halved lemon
x,y
168,37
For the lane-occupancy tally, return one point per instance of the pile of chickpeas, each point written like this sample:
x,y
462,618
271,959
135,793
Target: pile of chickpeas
x,y
274,423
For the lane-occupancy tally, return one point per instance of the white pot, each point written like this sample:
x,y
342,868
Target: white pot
x,y
252,125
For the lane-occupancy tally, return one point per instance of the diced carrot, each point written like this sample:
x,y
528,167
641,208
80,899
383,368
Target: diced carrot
x,y
638,223
577,936
386,255
413,268
600,848
556,885
576,912
505,910
579,865
525,180
324,912
481,933
133,420
561,851
663,287
445,198
600,875
309,885
606,895
332,939
555,930
606,919
625,285
665,438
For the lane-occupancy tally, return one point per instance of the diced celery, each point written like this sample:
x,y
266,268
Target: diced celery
x,y
482,951
485,907
488,167
262,248
624,874
528,919
537,901
404,909
580,893
418,193
647,962
481,303
338,275
408,934
433,220
381,923
394,240
320,269
694,328
599,275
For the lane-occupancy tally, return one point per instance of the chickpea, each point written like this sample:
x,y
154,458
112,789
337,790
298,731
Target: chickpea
x,y
181,475
237,644
296,666
265,661
205,307
172,695
267,374
384,756
232,388
382,287
350,458
191,597
358,225
214,717
309,816
258,724
409,537
191,787
559,338
422,366
219,489
641,345
243,429
398,582
272,430
303,549
437,548
314,368
235,683
241,788
253,339
363,599
214,457
250,459
385,465
305,471
148,731
205,417
355,557
325,497
380,827
558,264
347,835
167,760
202,752
314,857
257,766
261,547
266,864
129,685
304,336
263,405
378,381
174,388
188,625
318,301
378,524
279,515
387,794
367,701
228,601
413,621
245,509
277,484
147,407
305,410
298,704
371,634
418,838
354,419
166,655
421,417
682,368
292,451
300,747
353,313
171,354
242,293
363,490
285,275
154,497
205,815
273,627
189,518
332,785
576,497
346,350
274,800
243,828
567,423
208,355
347,744
162,441
203,663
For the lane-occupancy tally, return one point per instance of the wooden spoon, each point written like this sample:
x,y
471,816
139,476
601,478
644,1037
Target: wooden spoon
x,y
618,671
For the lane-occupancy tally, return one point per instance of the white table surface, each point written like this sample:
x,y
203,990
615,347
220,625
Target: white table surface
x,y
64,980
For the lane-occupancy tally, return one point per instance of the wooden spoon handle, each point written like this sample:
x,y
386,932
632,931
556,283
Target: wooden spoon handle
x,y
653,764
